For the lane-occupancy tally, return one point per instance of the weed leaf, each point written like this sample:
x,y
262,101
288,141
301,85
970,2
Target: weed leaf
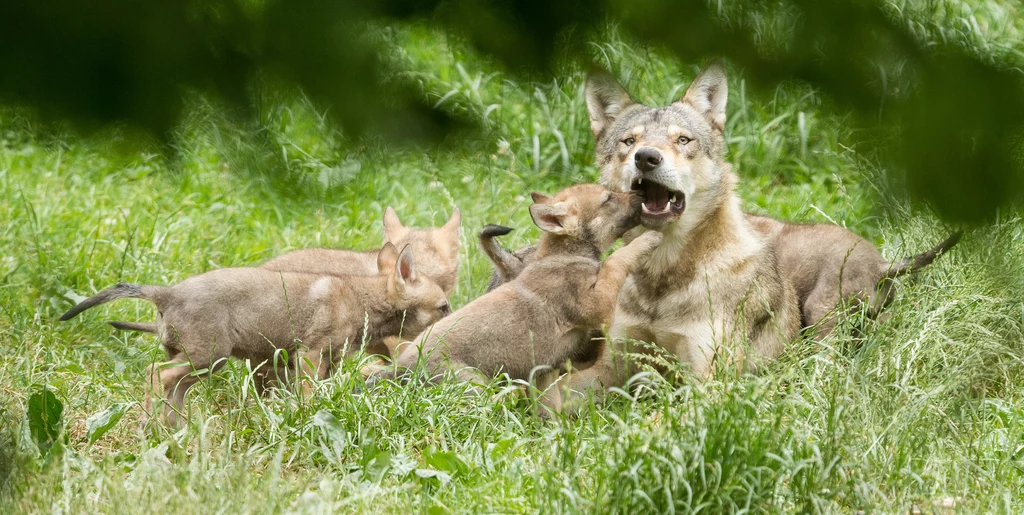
x,y
97,425
44,418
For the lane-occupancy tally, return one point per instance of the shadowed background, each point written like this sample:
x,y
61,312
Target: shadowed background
x,y
948,118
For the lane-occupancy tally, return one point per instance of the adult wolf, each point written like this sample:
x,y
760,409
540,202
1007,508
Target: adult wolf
x,y
712,292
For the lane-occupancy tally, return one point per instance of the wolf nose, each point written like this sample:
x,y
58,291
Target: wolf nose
x,y
647,159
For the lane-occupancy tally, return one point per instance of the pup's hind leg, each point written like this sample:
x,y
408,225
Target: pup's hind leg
x,y
314,364
171,379
610,369
819,310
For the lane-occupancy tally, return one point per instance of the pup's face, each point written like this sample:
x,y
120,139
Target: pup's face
x,y
437,249
423,301
670,155
587,212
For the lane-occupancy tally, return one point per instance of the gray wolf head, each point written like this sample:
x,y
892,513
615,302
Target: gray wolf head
x,y
673,156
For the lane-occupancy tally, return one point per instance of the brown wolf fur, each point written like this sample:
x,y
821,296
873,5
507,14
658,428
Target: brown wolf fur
x,y
712,290
251,313
543,317
437,251
826,264
829,265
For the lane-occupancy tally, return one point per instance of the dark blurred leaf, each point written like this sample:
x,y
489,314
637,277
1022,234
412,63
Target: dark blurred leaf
x,y
44,418
949,117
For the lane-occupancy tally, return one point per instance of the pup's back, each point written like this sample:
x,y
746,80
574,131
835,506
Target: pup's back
x,y
437,250
325,261
533,320
827,264
248,312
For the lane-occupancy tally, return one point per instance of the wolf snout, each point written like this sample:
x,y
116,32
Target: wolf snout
x,y
647,159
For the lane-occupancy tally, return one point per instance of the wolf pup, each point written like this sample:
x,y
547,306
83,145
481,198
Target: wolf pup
x,y
712,292
829,265
251,313
438,251
543,317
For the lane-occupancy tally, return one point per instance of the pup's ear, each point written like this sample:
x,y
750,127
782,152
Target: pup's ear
x,y
454,222
550,217
709,93
393,228
405,267
606,98
387,257
541,198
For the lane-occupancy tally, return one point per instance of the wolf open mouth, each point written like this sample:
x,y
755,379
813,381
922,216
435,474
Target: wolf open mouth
x,y
659,201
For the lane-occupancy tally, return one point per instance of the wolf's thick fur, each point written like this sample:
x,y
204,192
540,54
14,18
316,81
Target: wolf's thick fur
x,y
826,264
251,313
437,250
543,317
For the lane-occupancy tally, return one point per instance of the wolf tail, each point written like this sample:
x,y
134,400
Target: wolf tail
x,y
142,327
506,264
118,291
913,263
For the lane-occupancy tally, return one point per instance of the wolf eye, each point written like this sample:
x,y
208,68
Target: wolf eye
x,y
684,140
629,141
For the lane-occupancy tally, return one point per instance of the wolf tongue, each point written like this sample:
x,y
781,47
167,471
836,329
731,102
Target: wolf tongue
x,y
655,197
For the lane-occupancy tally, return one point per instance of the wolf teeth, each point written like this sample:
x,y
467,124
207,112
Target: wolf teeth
x,y
644,206
639,181
673,199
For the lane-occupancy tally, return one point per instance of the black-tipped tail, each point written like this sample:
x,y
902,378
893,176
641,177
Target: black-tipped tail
x,y
142,327
506,264
914,263
118,291
491,230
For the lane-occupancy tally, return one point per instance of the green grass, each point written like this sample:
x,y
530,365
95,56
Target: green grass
x,y
923,409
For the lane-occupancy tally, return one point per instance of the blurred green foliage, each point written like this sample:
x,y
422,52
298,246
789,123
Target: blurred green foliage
x,y
949,115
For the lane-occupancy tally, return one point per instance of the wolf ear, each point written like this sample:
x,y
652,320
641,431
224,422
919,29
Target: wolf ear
x,y
550,217
387,257
541,198
454,222
606,98
393,228
405,267
709,93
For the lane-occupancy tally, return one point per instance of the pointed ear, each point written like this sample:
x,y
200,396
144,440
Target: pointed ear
x,y
392,225
709,93
454,222
606,98
387,257
550,217
541,198
405,268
